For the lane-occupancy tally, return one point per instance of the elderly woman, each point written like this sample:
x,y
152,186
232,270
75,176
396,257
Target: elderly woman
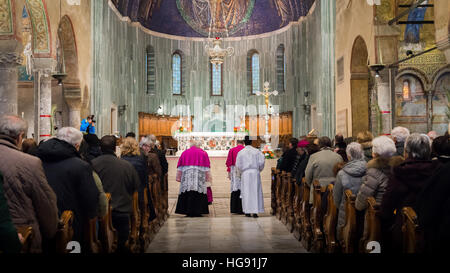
x,y
349,178
407,181
365,139
399,135
130,152
193,173
378,171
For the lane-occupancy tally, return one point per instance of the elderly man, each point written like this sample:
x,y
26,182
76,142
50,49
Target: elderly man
x,y
161,155
320,165
30,199
147,150
399,135
120,179
407,181
71,178
193,173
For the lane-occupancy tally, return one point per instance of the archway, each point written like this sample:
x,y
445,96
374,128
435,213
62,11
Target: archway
x,y
440,99
359,84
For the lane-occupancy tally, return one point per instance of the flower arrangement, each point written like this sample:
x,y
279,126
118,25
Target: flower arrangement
x,y
181,129
269,154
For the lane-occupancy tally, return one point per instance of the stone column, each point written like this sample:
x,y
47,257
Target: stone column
x,y
9,62
384,101
72,95
43,68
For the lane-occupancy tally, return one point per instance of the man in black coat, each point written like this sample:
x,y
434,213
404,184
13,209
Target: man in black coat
x,y
70,178
120,179
290,156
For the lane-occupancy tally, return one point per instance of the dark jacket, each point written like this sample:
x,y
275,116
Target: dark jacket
x,y
31,200
162,160
72,180
432,208
9,240
400,148
406,183
367,148
289,158
301,167
119,178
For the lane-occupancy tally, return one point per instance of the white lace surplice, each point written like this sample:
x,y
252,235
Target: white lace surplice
x,y
194,178
235,179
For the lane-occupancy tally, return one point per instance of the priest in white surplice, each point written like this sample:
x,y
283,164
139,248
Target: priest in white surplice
x,y
249,163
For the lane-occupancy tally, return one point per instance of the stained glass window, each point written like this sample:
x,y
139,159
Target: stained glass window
x,y
255,73
216,80
176,74
150,71
281,69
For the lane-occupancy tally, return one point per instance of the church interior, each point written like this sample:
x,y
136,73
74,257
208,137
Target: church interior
x,y
294,75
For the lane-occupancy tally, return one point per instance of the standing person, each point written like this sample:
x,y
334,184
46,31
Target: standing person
x,y
88,125
71,178
120,179
161,156
235,201
250,163
30,198
340,146
193,172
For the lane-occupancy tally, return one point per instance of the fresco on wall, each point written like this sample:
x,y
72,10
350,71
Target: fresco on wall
x,y
411,109
193,18
440,104
26,39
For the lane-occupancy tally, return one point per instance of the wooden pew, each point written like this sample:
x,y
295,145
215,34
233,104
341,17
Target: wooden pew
x,y
304,216
290,203
330,223
27,235
64,233
349,229
107,233
372,228
273,196
155,186
297,209
133,243
316,218
92,243
144,233
166,197
285,177
279,194
410,230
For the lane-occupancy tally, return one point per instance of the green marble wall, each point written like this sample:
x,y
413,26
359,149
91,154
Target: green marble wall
x,y
119,78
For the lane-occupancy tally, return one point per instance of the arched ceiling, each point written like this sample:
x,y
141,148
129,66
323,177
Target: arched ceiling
x,y
222,18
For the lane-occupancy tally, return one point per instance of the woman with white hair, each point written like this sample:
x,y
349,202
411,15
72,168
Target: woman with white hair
x,y
399,135
349,178
407,181
375,181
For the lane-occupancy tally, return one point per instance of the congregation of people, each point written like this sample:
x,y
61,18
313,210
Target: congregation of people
x,y
401,170
73,171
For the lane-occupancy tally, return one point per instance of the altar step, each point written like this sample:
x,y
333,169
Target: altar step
x,y
221,183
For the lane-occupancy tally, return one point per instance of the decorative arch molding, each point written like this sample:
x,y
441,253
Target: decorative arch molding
x,y
359,57
8,22
37,10
437,76
415,73
68,44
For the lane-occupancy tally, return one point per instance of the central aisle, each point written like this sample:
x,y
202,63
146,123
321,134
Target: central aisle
x,y
221,232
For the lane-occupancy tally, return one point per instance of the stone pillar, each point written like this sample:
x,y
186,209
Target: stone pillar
x,y
9,62
384,101
72,95
43,68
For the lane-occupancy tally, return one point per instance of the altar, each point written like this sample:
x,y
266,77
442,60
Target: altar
x,y
215,144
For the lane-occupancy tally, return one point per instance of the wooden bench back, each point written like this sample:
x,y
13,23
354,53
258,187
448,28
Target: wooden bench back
x,y
133,241
273,187
349,229
64,233
372,227
145,228
410,225
107,233
316,217
27,235
305,216
330,222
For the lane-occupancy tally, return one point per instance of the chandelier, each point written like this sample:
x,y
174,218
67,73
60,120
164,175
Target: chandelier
x,y
216,53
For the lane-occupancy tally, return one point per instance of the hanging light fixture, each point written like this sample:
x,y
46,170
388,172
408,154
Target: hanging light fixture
x,y
60,74
215,52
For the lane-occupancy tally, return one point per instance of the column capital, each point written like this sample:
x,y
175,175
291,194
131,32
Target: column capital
x,y
10,59
44,65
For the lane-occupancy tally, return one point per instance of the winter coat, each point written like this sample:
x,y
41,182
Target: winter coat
x,y
432,208
102,202
367,148
119,178
375,181
9,240
72,180
349,178
289,159
162,160
320,167
406,183
86,127
31,200
301,167
400,148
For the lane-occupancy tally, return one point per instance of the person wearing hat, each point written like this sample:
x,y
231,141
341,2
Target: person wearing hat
x,y
302,160
88,125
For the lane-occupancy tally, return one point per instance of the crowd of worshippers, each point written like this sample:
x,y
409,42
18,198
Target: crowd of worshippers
x,y
71,171
401,170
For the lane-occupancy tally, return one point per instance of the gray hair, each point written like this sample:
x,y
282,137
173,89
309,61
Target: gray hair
x,y
152,138
12,126
355,151
70,135
196,143
383,146
418,146
400,133
146,141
